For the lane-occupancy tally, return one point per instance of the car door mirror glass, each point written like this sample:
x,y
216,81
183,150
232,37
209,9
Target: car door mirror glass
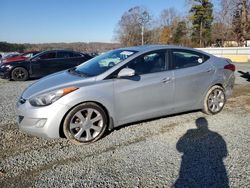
x,y
126,72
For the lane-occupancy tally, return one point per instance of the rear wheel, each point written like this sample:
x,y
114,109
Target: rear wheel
x,y
85,123
214,100
19,74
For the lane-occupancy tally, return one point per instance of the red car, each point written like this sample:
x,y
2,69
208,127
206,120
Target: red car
x,y
21,57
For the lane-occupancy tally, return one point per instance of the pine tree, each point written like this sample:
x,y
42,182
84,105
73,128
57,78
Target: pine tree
x,y
180,34
201,18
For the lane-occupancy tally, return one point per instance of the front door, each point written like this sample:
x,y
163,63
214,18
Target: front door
x,y
149,93
44,64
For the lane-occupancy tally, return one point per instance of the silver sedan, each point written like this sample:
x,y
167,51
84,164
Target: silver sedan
x,y
123,86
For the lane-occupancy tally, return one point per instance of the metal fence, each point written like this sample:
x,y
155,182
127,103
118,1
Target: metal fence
x,y
241,53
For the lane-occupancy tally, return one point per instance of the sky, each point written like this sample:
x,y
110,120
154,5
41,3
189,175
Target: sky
x,y
42,21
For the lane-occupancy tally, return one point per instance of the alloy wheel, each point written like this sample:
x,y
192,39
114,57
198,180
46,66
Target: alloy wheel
x,y
216,100
86,124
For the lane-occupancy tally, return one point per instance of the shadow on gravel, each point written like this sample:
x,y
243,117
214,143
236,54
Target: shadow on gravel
x,y
245,75
202,160
149,120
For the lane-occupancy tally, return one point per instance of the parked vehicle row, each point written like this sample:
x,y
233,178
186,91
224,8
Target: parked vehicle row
x,y
19,57
123,86
37,65
4,56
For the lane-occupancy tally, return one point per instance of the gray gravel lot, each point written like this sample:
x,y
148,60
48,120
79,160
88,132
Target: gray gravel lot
x,y
164,152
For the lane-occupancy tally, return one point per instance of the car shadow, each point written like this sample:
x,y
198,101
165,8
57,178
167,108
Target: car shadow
x,y
245,75
150,119
145,121
203,152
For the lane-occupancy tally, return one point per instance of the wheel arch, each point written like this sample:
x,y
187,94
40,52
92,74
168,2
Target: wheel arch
x,y
205,93
19,66
205,107
109,118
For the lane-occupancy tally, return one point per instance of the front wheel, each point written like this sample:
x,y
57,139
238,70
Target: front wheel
x,y
19,74
215,100
85,123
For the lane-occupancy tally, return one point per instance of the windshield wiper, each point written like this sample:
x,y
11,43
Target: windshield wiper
x,y
78,73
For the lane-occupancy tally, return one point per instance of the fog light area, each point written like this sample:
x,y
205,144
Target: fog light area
x,y
40,123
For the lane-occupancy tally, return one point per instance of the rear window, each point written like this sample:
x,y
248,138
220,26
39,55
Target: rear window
x,y
75,54
63,54
187,58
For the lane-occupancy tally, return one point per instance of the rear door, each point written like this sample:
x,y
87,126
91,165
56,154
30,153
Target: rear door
x,y
193,74
79,58
65,60
68,59
147,94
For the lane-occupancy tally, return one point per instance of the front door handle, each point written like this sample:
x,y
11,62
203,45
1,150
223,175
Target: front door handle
x,y
166,80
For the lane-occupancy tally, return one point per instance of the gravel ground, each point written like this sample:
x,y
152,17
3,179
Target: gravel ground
x,y
193,148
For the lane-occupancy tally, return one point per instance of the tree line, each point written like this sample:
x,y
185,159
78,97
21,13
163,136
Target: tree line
x,y
202,26
227,24
92,47
8,47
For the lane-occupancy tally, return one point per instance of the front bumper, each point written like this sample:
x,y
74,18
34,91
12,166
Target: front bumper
x,y
5,73
40,121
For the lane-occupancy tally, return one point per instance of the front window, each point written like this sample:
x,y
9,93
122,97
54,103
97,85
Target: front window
x,y
152,62
104,62
49,55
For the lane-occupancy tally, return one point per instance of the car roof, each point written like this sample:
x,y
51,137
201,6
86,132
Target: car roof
x,y
60,50
146,48
149,47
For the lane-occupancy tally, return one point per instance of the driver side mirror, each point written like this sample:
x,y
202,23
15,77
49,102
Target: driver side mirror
x,y
126,72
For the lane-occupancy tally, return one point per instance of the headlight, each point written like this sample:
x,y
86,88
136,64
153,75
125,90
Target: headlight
x,y
49,98
5,66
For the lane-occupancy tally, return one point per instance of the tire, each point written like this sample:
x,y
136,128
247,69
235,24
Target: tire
x,y
214,101
19,74
85,123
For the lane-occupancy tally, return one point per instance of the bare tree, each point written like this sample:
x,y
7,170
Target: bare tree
x,y
133,26
232,22
168,23
241,26
168,17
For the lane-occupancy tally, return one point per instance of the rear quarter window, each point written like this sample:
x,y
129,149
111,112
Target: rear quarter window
x,y
187,58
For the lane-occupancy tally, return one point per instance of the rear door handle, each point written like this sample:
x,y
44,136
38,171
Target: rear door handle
x,y
166,80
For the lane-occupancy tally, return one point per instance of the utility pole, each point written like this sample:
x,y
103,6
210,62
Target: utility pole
x,y
142,34
201,32
143,20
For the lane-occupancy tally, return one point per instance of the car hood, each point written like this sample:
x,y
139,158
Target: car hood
x,y
56,81
19,58
12,62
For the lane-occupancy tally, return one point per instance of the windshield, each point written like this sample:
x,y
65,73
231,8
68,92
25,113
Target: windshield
x,y
36,55
104,62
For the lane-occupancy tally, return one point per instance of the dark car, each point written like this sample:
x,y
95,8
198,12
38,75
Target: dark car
x,y
42,64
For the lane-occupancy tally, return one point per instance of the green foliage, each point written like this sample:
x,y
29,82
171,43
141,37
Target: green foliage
x,y
8,47
180,35
201,18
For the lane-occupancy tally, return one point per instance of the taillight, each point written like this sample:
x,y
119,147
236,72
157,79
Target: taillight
x,y
230,67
